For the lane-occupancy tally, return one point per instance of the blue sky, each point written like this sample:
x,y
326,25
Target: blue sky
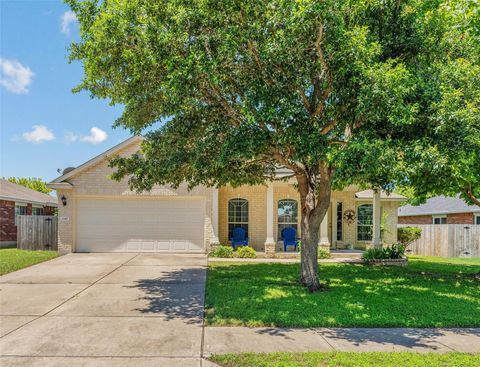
x,y
43,125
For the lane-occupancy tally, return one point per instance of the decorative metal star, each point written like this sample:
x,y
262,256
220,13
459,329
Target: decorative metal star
x,y
349,216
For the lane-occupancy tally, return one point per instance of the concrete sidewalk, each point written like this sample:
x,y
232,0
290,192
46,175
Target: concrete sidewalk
x,y
221,340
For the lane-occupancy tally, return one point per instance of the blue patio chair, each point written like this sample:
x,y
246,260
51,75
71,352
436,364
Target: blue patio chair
x,y
239,237
289,238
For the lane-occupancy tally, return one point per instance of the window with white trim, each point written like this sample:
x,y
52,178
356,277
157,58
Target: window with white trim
x,y
20,209
37,211
237,215
439,219
365,222
476,219
287,215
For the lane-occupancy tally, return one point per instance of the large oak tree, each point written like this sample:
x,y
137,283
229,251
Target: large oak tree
x,y
227,91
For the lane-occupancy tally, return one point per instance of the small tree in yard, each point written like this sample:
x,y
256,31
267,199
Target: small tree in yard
x,y
408,235
231,90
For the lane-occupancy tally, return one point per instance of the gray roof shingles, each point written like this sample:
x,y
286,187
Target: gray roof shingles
x,y
14,192
438,205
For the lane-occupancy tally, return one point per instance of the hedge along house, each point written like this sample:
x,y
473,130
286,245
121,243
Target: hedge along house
x,y
97,214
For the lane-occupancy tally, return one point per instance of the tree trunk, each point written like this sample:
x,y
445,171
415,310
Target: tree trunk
x,y
314,203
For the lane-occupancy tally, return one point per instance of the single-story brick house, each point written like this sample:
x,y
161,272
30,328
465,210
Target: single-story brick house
x,y
440,210
101,215
19,200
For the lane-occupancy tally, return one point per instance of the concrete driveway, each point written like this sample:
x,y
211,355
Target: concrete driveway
x,y
103,310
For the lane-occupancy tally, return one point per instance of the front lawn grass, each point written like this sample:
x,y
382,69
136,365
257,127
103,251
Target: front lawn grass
x,y
12,259
426,293
348,359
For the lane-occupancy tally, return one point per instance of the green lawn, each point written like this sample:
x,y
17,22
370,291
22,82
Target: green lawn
x,y
429,292
343,359
12,259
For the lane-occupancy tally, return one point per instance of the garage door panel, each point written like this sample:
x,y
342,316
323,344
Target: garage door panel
x,y
138,225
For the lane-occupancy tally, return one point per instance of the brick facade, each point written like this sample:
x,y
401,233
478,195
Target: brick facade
x,y
454,218
460,218
8,229
415,219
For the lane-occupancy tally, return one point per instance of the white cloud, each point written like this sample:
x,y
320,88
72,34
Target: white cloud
x,y
96,136
67,19
39,133
14,76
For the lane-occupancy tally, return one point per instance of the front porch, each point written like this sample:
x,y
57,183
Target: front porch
x,y
260,211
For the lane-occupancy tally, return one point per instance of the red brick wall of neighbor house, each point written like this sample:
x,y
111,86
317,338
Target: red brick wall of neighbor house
x,y
460,218
29,209
415,219
8,230
457,218
48,210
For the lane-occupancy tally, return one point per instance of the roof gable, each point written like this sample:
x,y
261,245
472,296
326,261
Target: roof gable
x,y
99,158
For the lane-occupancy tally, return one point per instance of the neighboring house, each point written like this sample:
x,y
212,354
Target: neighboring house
x,y
19,200
97,214
440,210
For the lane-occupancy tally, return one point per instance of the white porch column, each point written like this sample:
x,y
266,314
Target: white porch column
x,y
377,218
323,240
270,241
214,239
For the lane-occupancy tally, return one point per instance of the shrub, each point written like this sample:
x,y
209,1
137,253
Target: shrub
x,y
222,251
374,253
246,252
323,253
407,235
396,251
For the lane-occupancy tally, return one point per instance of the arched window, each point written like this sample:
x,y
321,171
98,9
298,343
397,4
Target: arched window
x,y
365,222
287,215
237,215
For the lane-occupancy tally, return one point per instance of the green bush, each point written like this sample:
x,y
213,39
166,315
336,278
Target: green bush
x,y
396,251
374,254
323,253
407,235
222,251
245,252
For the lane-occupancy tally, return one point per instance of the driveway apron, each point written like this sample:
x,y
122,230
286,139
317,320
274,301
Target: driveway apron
x,y
104,309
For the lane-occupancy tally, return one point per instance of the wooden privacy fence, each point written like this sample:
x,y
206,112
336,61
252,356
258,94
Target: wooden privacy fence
x,y
37,232
446,240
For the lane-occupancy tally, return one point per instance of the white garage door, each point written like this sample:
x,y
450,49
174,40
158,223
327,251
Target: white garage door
x,y
140,225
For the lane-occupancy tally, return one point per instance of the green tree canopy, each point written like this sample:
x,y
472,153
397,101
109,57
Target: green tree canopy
x,y
32,183
230,90
451,164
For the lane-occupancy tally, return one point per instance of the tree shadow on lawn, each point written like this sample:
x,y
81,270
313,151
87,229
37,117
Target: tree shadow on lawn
x,y
260,295
180,294
344,338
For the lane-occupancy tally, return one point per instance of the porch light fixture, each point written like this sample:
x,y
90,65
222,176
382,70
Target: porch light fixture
x,y
64,200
